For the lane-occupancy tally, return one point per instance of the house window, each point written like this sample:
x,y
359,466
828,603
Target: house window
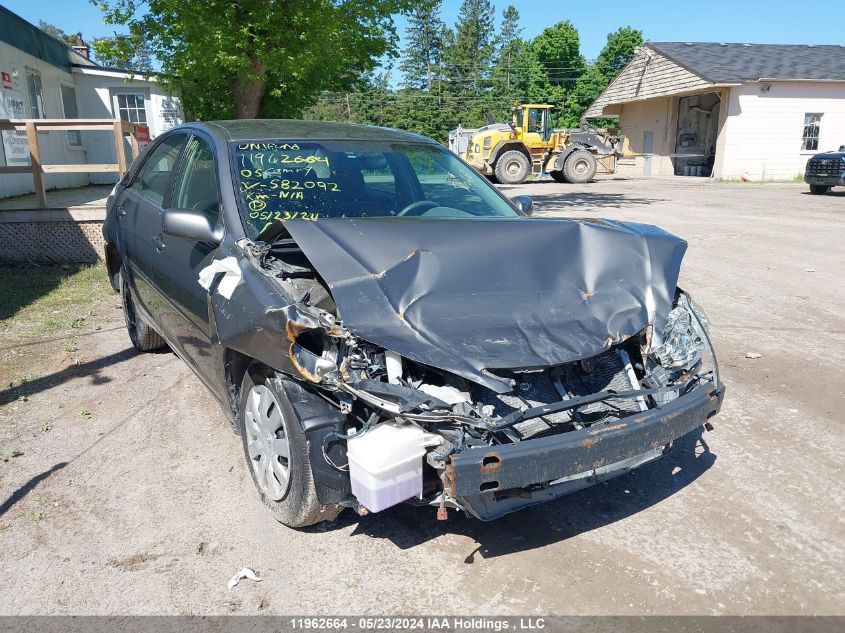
x,y
74,137
130,107
36,94
810,141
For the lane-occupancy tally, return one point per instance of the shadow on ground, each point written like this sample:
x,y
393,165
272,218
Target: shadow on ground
x,y
833,194
586,201
408,526
91,368
28,487
21,285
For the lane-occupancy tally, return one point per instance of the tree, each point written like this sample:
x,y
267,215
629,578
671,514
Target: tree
x,y
557,49
509,44
617,52
262,58
123,51
423,54
54,31
470,52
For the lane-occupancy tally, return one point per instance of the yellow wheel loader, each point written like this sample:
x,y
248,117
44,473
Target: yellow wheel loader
x,y
508,153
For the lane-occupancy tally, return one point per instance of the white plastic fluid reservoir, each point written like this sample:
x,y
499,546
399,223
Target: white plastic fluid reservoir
x,y
385,463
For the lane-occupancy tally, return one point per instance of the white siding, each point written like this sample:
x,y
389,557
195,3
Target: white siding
x,y
95,102
649,74
763,130
53,145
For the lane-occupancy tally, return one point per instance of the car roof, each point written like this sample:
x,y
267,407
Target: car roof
x,y
260,129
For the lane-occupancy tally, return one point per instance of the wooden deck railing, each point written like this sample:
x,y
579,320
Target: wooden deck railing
x,y
33,126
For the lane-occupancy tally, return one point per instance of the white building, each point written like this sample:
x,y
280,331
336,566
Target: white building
x,y
727,109
41,78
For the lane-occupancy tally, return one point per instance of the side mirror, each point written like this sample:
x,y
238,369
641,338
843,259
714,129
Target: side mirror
x,y
189,224
525,204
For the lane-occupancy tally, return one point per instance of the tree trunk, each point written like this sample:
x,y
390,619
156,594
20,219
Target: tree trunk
x,y
248,89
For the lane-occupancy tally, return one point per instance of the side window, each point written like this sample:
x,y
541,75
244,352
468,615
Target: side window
x,y
439,184
812,123
535,121
152,180
196,186
36,94
378,177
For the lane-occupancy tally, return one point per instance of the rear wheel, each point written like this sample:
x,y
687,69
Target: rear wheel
x,y
818,190
558,176
143,337
580,166
276,451
512,168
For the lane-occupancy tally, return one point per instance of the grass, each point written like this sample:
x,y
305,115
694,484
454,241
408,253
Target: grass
x,y
8,453
37,300
799,177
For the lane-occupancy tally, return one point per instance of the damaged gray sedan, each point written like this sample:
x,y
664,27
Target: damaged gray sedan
x,y
380,325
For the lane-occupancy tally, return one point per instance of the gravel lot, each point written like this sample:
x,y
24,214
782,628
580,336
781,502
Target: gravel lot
x,y
137,501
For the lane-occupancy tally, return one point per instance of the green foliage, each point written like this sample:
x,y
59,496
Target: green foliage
x,y
469,53
423,55
54,31
557,49
617,52
128,52
261,58
482,72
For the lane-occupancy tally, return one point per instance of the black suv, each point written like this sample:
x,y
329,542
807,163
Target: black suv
x,y
825,171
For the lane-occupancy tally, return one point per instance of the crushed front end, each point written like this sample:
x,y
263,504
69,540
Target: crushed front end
x,y
455,380
555,430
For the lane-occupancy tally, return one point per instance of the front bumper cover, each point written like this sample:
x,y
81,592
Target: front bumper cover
x,y
490,472
834,180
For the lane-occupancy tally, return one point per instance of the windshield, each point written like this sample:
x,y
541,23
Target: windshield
x,y
286,180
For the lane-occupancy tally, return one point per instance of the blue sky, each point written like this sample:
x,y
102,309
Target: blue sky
x,y
755,21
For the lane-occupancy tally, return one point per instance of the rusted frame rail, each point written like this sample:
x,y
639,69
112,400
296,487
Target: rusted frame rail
x,y
33,126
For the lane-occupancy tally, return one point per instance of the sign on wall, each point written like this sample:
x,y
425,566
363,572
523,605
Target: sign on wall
x,y
15,146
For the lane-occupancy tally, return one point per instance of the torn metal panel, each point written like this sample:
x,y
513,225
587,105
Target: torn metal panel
x,y
469,296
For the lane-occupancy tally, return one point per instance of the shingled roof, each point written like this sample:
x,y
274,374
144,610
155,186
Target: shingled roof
x,y
736,63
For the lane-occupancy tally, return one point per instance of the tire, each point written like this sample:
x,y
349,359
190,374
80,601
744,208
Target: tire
x,y
492,178
142,335
512,168
558,176
818,190
580,166
274,444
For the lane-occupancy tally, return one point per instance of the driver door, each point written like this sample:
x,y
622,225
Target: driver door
x,y
534,133
195,187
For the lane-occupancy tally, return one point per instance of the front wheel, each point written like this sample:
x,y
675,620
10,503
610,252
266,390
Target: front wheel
x,y
512,168
818,190
580,166
558,176
276,452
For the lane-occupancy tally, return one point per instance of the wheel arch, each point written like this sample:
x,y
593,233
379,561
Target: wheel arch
x,y
506,146
317,419
113,264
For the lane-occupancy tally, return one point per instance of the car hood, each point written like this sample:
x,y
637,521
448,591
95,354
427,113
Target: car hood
x,y
829,155
469,296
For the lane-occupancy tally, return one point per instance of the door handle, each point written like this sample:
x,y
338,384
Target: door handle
x,y
158,243
121,211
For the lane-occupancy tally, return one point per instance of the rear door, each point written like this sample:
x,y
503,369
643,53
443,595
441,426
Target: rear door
x,y
139,222
195,187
